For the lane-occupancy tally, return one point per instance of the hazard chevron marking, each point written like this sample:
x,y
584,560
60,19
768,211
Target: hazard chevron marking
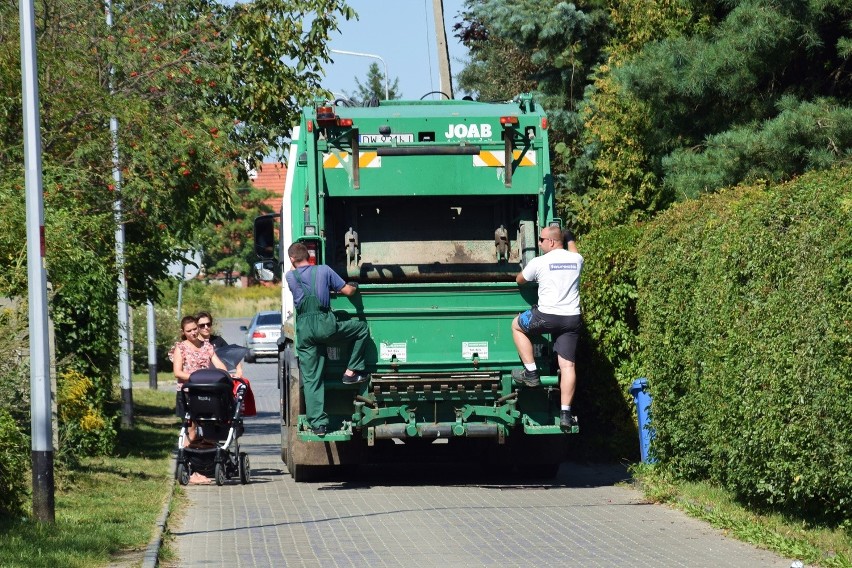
x,y
494,159
341,160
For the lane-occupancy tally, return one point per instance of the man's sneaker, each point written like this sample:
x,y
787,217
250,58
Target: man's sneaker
x,y
567,420
354,379
529,378
318,430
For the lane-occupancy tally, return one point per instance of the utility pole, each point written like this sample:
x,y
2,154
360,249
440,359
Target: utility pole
x,y
123,317
443,50
40,397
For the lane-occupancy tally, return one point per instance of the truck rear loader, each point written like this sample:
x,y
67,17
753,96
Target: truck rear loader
x,y
432,207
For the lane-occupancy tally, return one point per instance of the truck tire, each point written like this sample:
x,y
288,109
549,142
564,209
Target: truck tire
x,y
285,359
307,461
289,436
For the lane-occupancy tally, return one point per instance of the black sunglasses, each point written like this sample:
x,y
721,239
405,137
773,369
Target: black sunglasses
x,y
205,324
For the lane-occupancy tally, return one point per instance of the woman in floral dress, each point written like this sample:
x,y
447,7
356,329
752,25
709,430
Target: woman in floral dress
x,y
188,356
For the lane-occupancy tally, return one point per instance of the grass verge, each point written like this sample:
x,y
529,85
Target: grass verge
x,y
106,507
797,539
229,302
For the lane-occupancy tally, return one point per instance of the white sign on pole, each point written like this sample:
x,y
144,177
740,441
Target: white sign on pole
x,y
188,268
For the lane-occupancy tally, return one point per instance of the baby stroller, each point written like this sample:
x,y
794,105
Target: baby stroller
x,y
214,402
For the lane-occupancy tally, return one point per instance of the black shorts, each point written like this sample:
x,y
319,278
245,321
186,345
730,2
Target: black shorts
x,y
564,330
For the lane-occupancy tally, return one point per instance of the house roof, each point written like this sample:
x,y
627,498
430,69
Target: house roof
x,y
270,176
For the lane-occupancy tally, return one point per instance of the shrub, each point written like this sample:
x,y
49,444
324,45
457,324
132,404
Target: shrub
x,y
746,327
83,425
14,466
608,348
14,359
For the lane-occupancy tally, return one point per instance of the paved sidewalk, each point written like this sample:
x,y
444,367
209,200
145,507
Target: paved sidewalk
x,y
405,516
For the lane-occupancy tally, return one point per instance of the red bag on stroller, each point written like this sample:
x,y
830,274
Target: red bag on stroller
x,y
249,408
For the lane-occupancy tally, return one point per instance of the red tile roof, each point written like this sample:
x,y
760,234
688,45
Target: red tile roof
x,y
271,176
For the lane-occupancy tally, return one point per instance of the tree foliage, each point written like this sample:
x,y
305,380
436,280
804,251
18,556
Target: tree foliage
x,y
200,91
229,246
655,101
373,88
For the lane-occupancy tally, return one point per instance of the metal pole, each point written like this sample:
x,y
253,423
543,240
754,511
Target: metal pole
x,y
180,290
40,396
442,50
123,319
152,347
387,87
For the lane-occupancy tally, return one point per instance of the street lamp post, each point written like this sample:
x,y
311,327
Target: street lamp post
x,y
124,362
387,89
44,505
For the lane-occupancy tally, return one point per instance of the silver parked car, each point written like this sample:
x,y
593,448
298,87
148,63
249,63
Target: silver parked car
x,y
262,335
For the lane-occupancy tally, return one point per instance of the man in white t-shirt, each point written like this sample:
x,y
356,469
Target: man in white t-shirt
x,y
557,272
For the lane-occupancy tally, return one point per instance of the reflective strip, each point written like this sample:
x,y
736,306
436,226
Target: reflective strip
x,y
341,159
494,159
333,161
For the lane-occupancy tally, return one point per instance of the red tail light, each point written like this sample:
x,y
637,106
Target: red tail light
x,y
258,335
509,120
312,252
544,122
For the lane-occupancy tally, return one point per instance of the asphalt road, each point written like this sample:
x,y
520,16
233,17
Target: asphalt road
x,y
433,515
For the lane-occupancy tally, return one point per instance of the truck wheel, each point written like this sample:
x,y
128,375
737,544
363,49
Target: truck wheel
x,y
284,364
285,442
302,473
296,470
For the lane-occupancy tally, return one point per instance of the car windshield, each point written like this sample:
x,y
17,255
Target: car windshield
x,y
269,319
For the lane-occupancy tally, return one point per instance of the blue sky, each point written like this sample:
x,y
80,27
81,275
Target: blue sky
x,y
402,33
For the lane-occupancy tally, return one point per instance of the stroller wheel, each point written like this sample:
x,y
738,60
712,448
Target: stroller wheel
x,y
182,474
245,468
220,474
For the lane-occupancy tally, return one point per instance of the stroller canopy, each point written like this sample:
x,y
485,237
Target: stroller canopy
x,y
231,355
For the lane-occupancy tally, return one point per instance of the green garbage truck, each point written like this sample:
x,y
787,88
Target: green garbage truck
x,y
432,207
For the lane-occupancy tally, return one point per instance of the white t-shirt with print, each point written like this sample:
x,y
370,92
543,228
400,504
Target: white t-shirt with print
x,y
558,277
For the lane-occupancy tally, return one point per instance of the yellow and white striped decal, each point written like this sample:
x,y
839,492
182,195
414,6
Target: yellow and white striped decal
x,y
494,159
341,160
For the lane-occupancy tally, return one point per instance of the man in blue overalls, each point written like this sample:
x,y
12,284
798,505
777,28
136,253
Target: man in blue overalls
x,y
316,327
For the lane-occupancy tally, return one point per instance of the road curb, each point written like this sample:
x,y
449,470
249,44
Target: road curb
x,y
153,551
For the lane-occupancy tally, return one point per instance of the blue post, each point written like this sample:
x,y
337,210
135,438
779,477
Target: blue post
x,y
639,390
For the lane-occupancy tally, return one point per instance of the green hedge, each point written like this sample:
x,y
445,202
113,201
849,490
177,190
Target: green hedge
x,y
745,303
606,362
